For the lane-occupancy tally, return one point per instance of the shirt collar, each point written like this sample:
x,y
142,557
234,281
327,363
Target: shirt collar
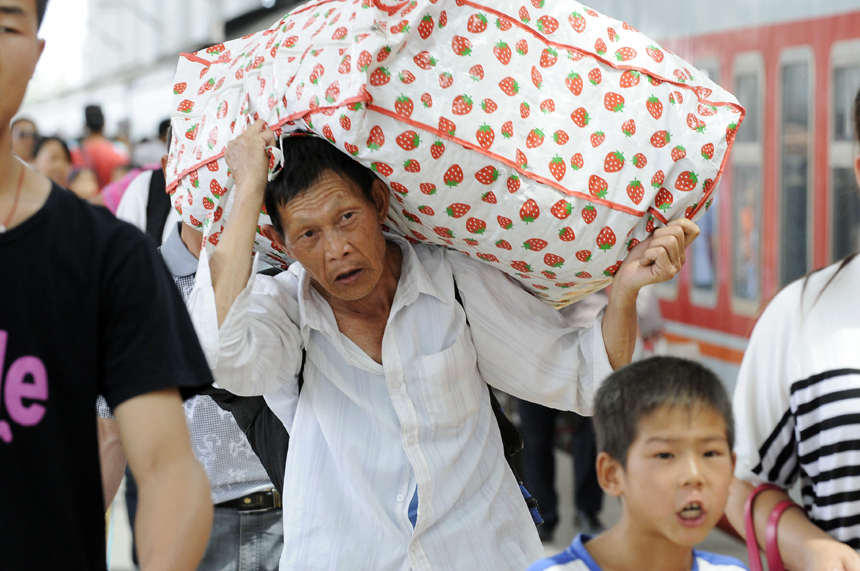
x,y
414,280
178,259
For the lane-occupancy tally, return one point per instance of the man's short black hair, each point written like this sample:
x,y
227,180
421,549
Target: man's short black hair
x,y
631,393
41,7
306,158
94,118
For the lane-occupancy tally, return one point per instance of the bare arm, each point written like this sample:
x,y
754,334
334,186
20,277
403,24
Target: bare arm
x,y
802,544
174,516
655,260
230,264
112,457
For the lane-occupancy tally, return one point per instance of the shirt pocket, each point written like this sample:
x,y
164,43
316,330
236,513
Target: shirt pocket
x,y
450,384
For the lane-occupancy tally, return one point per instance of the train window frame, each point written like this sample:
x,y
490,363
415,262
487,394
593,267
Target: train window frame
x,y
749,154
701,297
840,154
793,55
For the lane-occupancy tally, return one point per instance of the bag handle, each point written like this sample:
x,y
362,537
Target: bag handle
x,y
774,559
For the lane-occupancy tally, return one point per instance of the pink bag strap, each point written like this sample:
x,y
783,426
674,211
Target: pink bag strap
x,y
774,560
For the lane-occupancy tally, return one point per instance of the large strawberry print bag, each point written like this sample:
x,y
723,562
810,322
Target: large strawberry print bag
x,y
541,137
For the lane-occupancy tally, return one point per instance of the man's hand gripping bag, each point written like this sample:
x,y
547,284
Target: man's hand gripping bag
x,y
542,138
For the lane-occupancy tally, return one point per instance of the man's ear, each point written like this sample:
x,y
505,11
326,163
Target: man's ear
x,y
610,474
269,232
164,164
381,196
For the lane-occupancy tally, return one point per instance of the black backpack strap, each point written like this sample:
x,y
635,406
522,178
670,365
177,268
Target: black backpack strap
x,y
157,206
512,440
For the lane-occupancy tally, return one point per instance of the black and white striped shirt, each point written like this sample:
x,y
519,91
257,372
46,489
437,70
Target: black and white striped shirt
x,y
797,401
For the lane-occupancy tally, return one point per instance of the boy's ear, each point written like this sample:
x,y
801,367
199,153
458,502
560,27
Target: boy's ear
x,y
610,474
269,232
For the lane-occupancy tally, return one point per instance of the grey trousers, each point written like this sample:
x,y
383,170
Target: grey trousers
x,y
244,541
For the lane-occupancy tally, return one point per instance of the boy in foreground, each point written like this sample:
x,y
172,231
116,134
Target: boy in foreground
x,y
665,433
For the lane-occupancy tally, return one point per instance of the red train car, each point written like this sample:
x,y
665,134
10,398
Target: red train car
x,y
788,202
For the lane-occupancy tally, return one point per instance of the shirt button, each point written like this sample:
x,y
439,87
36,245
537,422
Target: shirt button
x,y
401,497
412,440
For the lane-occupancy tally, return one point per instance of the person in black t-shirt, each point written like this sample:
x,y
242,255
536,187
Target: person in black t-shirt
x,y
86,307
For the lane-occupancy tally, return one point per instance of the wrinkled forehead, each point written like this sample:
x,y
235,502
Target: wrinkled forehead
x,y
330,193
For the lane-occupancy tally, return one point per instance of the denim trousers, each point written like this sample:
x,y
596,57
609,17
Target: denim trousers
x,y
244,541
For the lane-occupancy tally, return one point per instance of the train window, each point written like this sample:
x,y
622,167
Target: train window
x,y
746,186
844,200
747,92
795,146
703,260
747,231
846,80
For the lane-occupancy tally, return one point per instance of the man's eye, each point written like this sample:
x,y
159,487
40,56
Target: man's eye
x,y
308,234
713,454
348,215
665,455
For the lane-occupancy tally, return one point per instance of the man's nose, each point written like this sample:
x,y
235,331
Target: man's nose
x,y
337,244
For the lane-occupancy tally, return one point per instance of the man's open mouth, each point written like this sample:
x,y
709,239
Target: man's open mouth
x,y
346,276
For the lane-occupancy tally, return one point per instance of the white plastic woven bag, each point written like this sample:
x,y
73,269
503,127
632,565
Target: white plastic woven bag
x,y
542,138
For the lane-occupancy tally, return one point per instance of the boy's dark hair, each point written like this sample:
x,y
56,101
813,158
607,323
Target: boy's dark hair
x,y
94,118
44,140
631,393
41,6
306,158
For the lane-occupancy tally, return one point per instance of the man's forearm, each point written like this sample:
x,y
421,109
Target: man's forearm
x,y
174,503
620,326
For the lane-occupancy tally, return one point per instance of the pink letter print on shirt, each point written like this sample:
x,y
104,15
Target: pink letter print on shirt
x,y
15,390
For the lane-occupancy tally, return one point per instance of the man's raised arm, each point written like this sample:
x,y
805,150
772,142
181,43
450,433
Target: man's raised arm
x,y
174,516
230,265
655,260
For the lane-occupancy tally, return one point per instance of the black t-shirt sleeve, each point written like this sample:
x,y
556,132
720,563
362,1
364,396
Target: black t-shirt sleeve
x,y
146,339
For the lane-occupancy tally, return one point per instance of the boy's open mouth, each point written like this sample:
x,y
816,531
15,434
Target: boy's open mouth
x,y
692,514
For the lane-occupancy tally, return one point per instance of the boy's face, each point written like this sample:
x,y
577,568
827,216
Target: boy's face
x,y
678,473
19,52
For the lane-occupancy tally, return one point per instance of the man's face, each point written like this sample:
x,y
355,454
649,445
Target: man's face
x,y
19,52
334,231
679,468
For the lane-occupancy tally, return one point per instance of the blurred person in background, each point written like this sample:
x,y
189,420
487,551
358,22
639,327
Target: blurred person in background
x,y
83,182
53,159
87,309
24,135
148,152
146,203
538,427
96,151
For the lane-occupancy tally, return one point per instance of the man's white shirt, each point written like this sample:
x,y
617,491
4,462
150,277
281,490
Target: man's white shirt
x,y
365,436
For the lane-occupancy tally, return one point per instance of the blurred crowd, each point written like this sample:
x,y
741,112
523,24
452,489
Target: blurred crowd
x,y
96,168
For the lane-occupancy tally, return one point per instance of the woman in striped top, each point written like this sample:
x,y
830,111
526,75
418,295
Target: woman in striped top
x,y
797,405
